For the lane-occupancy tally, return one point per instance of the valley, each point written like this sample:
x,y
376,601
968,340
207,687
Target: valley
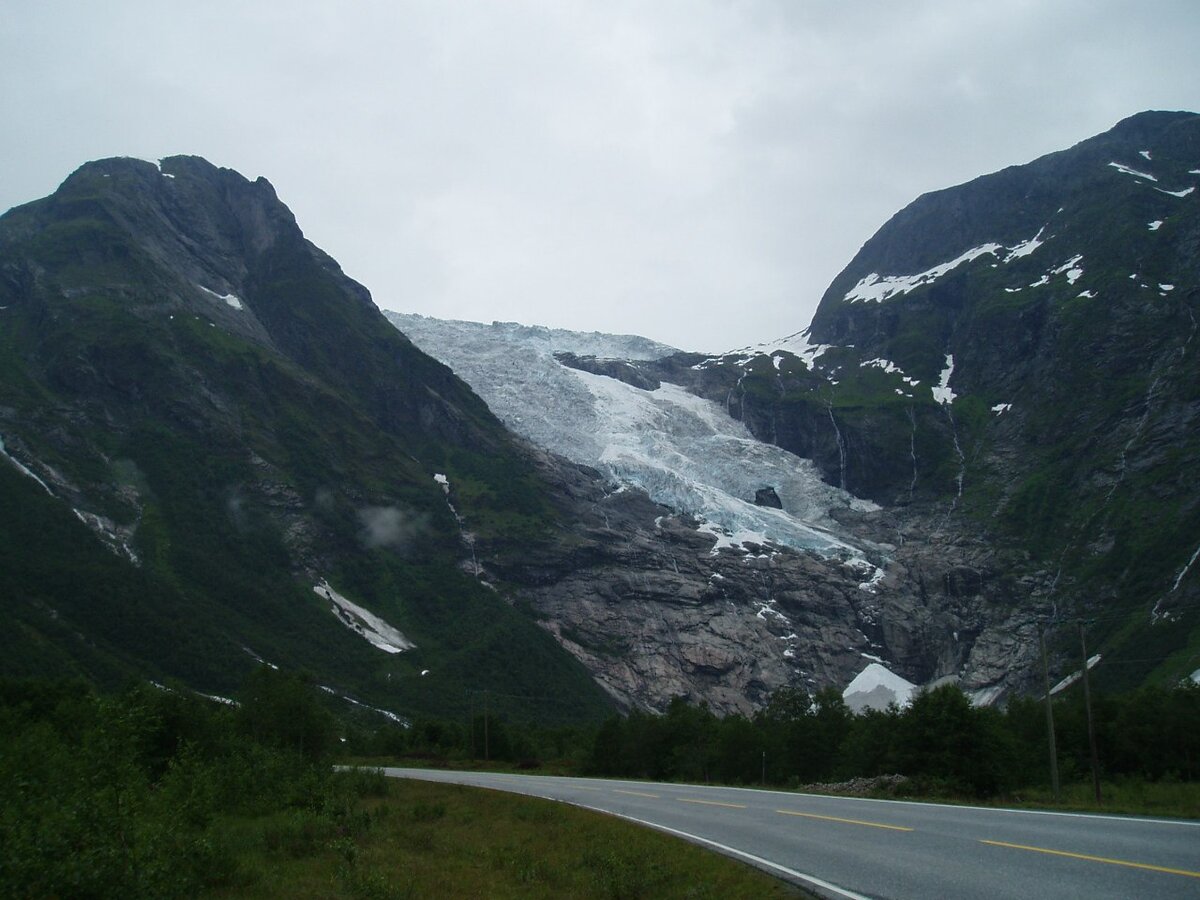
x,y
219,453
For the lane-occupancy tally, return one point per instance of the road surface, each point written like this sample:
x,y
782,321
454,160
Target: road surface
x,y
855,848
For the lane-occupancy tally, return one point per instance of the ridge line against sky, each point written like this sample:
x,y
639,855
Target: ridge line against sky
x,y
695,172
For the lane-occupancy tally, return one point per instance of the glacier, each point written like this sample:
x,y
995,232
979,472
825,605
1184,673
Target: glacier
x,y
685,452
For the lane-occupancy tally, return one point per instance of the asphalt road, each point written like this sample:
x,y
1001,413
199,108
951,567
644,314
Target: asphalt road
x,y
850,848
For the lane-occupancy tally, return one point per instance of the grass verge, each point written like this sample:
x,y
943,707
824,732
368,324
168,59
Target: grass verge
x,y
423,840
1129,797
1177,800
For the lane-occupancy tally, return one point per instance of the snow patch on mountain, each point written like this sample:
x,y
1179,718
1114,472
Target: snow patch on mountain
x,y
386,713
231,300
1125,170
1071,268
1074,676
1183,572
797,344
375,630
942,393
876,687
875,288
1182,193
1026,247
891,369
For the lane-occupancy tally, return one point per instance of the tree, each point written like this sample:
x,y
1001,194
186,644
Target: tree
x,y
943,736
280,709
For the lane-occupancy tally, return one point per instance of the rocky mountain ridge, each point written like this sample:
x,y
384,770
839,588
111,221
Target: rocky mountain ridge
x,y
187,379
707,594
1013,361
219,453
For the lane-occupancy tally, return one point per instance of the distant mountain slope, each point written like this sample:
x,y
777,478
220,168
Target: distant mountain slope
x,y
218,451
1020,352
752,574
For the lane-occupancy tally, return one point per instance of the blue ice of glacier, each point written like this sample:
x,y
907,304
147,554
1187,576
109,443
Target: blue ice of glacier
x,y
685,452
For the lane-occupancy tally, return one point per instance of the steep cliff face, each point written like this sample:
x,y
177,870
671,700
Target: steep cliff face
x,y
191,384
1019,352
1008,369
668,579
656,609
215,450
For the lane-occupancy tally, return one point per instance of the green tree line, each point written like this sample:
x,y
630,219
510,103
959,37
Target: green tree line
x,y
941,742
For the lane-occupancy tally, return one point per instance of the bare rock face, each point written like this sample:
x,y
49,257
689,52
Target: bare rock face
x,y
655,611
767,497
658,603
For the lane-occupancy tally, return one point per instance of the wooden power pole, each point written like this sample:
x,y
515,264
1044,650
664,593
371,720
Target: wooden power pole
x,y
1049,714
1087,704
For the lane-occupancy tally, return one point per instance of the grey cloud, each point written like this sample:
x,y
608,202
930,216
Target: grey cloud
x,y
692,170
390,527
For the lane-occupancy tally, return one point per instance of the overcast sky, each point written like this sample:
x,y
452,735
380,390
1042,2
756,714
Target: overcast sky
x,y
696,172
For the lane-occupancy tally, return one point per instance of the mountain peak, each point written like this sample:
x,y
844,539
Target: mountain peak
x,y
1150,122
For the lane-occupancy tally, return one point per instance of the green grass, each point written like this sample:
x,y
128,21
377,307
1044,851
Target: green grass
x,y
419,839
1130,797
1127,797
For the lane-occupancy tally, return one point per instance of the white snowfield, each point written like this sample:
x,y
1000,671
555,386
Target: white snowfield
x,y
876,687
797,344
1126,170
375,630
687,453
875,288
231,300
942,393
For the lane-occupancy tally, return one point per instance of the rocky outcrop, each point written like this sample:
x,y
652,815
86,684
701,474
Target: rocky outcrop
x,y
651,606
766,496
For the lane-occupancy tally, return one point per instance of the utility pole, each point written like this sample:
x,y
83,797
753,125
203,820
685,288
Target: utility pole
x,y
486,749
764,768
1087,703
1049,713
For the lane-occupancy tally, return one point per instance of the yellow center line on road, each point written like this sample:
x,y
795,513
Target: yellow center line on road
x,y
790,812
711,803
1099,859
635,793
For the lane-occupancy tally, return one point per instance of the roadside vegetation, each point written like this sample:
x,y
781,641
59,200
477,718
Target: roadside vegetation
x,y
157,792
161,793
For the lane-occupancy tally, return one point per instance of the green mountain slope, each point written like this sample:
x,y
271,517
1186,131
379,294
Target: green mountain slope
x,y
220,420
1015,361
